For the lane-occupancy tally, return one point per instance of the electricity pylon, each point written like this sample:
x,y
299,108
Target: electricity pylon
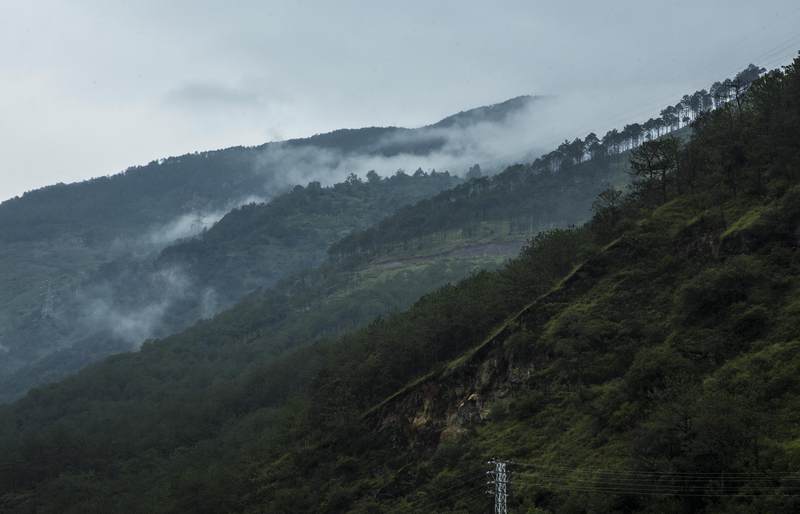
x,y
498,483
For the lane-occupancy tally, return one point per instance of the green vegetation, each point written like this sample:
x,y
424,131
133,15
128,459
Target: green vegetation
x,y
256,245
520,201
659,339
75,256
252,247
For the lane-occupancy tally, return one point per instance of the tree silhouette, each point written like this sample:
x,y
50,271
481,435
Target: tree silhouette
x,y
653,161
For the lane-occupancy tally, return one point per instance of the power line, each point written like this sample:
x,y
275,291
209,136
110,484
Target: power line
x,y
715,473
653,483
424,504
569,486
770,56
432,503
438,503
650,483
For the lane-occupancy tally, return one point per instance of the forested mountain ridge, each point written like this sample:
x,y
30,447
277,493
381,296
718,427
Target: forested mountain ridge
x,y
212,180
685,297
516,203
79,255
119,305
531,196
255,245
494,215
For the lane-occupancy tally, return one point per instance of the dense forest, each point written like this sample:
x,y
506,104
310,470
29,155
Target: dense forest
x,y
122,303
75,256
645,361
253,246
525,200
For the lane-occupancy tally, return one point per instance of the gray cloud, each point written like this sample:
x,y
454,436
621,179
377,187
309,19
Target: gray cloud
x,y
104,309
539,126
186,225
89,88
202,95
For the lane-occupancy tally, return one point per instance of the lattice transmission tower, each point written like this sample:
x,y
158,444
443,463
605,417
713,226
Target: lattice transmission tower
x,y
498,485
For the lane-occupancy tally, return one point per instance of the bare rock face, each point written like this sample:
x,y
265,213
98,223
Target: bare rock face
x,y
468,411
466,415
447,407
423,416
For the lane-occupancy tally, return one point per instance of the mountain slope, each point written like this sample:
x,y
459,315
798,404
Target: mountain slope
x,y
209,181
123,303
516,203
660,375
253,246
74,256
685,296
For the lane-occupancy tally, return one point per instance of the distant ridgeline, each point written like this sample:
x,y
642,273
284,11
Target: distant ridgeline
x,y
557,189
211,180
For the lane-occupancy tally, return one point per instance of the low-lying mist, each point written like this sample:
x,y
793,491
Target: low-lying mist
x,y
132,306
530,128
454,148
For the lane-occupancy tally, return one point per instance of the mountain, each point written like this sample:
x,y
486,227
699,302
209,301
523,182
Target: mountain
x,y
645,361
496,113
656,375
120,304
143,196
97,267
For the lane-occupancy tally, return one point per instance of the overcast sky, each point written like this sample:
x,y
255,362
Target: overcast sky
x,y
88,88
